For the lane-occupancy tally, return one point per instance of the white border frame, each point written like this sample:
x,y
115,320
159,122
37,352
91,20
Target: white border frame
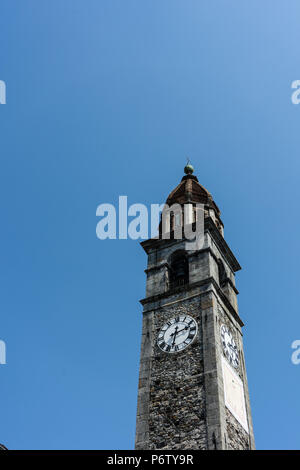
x,y
244,424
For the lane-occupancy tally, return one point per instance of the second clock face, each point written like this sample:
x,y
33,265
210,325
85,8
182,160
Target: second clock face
x,y
177,334
229,346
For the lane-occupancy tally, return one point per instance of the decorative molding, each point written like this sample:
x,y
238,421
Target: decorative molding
x,y
222,245
190,286
157,267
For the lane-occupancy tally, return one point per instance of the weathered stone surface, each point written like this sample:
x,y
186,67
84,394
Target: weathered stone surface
x,y
177,404
237,438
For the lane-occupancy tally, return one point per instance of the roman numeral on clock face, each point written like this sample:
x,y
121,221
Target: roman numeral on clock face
x,y
229,347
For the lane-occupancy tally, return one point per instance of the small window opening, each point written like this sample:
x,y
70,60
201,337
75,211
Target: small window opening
x,y
179,270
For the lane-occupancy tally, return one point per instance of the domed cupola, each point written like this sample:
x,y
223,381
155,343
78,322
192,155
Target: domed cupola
x,y
190,191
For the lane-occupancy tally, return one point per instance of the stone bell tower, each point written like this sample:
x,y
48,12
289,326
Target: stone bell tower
x,y
193,391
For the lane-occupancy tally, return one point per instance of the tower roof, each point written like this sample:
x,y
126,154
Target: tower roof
x,y
189,190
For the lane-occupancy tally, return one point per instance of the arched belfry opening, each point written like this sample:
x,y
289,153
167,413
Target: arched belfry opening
x,y
179,269
222,273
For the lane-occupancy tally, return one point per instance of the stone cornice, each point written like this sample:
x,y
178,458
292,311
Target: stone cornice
x,y
220,241
157,267
229,281
188,287
154,243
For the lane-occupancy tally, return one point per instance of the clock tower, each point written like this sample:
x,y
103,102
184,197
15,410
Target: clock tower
x,y
193,391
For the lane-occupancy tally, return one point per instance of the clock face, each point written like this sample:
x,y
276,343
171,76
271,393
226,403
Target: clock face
x,y
229,346
177,334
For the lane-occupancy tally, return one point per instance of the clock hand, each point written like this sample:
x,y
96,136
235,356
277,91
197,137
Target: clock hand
x,y
183,333
183,329
175,334
179,331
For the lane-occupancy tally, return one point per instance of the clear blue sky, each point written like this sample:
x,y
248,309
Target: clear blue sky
x,y
106,98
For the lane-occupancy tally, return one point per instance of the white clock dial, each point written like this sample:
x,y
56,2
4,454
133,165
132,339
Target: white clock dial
x,y
177,334
229,346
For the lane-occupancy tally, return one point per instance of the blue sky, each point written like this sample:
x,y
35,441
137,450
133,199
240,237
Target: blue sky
x,y
107,98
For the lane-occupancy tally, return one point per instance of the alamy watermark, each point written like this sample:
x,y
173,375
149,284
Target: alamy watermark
x,y
2,92
295,358
177,221
2,352
296,94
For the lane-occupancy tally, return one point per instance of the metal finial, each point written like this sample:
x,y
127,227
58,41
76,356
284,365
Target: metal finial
x,y
188,169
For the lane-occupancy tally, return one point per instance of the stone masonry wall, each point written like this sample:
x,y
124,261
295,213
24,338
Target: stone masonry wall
x,y
177,417
237,438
